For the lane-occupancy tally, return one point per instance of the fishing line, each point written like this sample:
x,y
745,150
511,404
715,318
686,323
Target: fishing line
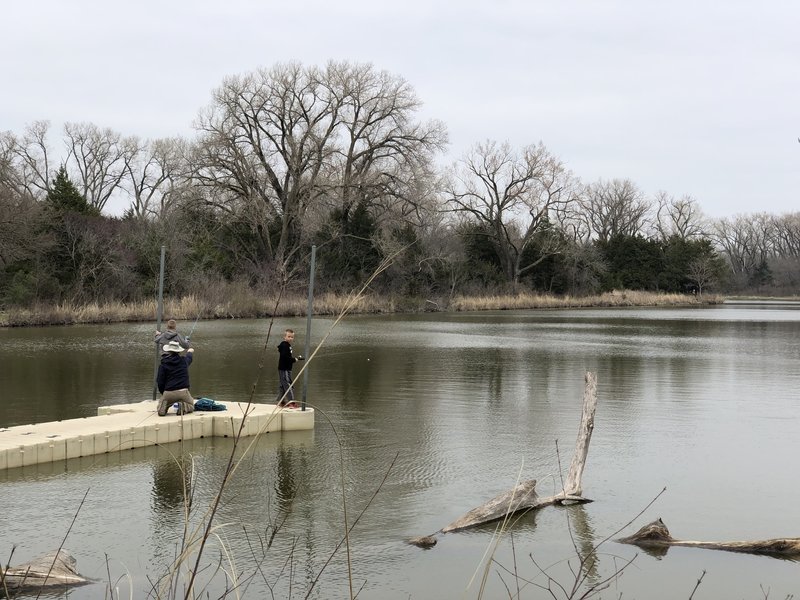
x,y
334,353
194,325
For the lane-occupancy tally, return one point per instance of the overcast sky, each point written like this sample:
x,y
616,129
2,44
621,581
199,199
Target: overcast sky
x,y
694,97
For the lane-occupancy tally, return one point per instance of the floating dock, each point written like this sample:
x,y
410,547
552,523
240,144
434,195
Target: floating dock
x,y
126,426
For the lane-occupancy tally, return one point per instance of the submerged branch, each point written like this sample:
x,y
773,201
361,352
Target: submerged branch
x,y
523,497
656,536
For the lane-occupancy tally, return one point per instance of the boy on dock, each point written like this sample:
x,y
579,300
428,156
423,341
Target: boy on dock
x,y
285,362
163,338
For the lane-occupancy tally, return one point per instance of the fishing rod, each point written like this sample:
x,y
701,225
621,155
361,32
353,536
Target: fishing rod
x,y
191,331
159,311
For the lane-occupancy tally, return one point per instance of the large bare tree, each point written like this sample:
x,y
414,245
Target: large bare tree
x,y
759,242
155,174
97,159
264,141
746,240
616,207
679,217
381,150
511,195
786,235
294,142
28,158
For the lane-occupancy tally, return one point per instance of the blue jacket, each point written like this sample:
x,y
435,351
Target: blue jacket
x,y
173,372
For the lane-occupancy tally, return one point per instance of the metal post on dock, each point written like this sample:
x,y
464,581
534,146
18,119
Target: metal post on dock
x,y
159,312
308,322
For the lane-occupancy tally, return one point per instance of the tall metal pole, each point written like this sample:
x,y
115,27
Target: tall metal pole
x,y
308,321
159,312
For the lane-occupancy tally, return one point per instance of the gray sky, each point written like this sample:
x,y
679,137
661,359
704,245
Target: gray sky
x,y
693,97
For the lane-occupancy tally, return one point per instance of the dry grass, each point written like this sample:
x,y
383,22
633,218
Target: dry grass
x,y
614,298
786,298
240,303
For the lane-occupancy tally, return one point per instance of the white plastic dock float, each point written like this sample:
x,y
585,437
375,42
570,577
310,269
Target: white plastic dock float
x,y
126,426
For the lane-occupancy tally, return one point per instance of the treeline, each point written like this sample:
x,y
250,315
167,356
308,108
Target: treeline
x,y
338,157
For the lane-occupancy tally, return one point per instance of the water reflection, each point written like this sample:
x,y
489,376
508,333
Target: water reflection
x,y
172,479
287,476
688,399
586,542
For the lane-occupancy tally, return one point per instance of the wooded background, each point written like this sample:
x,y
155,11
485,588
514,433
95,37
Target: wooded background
x,y
336,156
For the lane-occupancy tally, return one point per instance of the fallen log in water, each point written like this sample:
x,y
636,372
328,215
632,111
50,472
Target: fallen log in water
x,y
523,497
54,569
656,535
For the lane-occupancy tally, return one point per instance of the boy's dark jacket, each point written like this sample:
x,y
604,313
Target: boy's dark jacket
x,y
285,358
173,372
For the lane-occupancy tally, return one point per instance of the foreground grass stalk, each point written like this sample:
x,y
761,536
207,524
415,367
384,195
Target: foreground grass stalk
x,y
697,585
581,573
3,570
233,462
64,539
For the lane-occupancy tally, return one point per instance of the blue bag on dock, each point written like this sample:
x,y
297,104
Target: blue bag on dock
x,y
208,404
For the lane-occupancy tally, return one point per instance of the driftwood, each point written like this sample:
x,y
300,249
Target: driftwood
x,y
656,536
54,569
523,497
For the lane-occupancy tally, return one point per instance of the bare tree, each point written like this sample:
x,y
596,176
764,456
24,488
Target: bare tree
x,y
786,235
704,272
616,207
570,218
583,267
786,273
679,217
21,234
382,150
785,264
91,256
511,195
444,258
153,175
264,141
294,143
11,181
98,160
29,157
746,240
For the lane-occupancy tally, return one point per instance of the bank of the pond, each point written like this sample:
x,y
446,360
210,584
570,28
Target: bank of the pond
x,y
243,306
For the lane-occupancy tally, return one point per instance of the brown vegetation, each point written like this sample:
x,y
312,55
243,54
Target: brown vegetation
x,y
608,299
242,303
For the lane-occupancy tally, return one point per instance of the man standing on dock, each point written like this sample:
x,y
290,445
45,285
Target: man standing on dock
x,y
173,379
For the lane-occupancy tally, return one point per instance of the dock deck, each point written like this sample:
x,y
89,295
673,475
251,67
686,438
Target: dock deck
x,y
126,426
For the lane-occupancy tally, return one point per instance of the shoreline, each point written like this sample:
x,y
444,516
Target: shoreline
x,y
252,307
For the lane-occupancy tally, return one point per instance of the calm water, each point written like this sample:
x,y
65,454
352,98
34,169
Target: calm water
x,y
703,402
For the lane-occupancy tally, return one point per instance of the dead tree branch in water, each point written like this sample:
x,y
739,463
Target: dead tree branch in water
x,y
523,497
656,537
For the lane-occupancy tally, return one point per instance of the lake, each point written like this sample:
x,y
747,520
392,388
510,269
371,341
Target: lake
x,y
437,413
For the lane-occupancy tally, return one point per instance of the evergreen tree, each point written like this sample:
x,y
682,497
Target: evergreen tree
x,y
64,197
353,255
762,276
68,213
679,254
482,258
634,262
